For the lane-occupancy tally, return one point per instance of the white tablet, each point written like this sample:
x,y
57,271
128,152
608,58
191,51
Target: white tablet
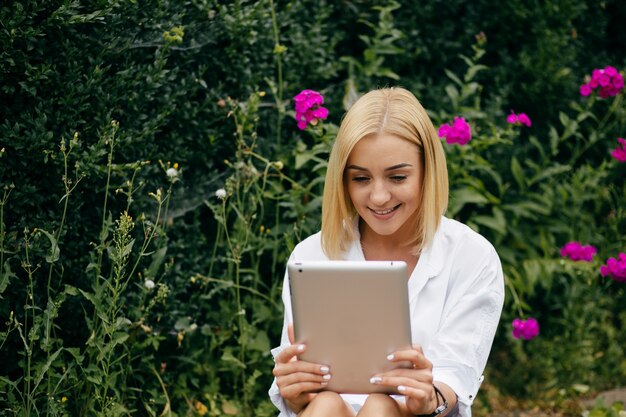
x,y
351,315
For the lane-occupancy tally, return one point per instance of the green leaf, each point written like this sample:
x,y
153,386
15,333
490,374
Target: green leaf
x,y
473,70
231,360
157,260
495,222
53,256
5,276
550,172
452,92
454,78
44,369
464,196
518,173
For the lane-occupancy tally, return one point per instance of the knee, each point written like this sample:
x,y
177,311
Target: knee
x,y
327,403
381,404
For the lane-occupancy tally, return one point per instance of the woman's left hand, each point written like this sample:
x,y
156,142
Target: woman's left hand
x,y
416,383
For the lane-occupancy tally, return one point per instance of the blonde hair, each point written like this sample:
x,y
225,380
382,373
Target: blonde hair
x,y
393,111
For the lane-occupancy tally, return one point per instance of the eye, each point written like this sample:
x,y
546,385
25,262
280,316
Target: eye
x,y
360,178
398,178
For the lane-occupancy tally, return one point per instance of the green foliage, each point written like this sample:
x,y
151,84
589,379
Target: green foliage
x,y
154,183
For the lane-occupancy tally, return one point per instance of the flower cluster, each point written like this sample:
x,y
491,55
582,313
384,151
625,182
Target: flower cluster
x,y
615,268
619,153
309,108
458,131
608,81
521,119
577,252
527,329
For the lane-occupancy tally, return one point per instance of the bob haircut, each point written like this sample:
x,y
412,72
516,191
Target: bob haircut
x,y
393,111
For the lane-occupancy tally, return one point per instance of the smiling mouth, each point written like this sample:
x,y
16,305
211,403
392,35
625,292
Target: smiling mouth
x,y
383,212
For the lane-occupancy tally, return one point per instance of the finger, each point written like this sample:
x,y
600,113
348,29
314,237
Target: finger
x,y
301,378
415,356
405,385
289,352
421,375
294,390
290,333
282,369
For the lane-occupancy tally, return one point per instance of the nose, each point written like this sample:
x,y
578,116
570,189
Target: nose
x,y
379,194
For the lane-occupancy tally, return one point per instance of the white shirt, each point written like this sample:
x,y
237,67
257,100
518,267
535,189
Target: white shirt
x,y
456,293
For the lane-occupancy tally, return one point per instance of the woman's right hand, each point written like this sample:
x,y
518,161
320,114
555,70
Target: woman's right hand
x,y
298,381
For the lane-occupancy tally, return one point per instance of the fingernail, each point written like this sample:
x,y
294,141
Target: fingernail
x,y
401,388
326,377
390,356
375,380
324,369
323,383
300,348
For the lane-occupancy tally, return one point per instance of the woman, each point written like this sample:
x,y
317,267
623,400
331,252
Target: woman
x,y
385,194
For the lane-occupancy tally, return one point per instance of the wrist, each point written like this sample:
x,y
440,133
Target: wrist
x,y
441,404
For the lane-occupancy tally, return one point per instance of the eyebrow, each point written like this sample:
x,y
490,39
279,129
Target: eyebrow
x,y
391,168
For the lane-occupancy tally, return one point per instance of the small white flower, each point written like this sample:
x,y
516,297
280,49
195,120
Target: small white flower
x,y
221,194
172,172
149,284
193,327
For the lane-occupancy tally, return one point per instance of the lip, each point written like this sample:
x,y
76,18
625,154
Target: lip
x,y
384,214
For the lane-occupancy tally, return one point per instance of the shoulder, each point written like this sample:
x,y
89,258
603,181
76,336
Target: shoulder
x,y
309,249
458,235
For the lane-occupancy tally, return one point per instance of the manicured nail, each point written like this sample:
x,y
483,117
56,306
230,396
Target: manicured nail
x,y
323,383
375,380
401,388
326,377
390,356
300,348
324,369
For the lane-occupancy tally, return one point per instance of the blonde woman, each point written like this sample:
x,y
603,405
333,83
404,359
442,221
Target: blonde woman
x,y
385,195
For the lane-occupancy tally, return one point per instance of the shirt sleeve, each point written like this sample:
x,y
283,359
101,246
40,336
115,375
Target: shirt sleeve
x,y
460,349
274,393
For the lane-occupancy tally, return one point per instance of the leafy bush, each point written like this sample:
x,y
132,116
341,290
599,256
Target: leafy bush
x,y
154,183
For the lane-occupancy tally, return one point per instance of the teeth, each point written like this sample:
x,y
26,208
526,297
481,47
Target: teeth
x,y
384,212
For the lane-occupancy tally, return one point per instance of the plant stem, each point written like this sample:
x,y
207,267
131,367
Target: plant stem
x,y
279,70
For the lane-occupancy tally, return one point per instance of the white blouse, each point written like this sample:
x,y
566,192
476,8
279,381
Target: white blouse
x,y
456,293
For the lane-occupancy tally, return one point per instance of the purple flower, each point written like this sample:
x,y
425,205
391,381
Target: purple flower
x,y
309,108
511,118
458,132
615,268
527,329
577,252
521,119
608,81
585,90
619,153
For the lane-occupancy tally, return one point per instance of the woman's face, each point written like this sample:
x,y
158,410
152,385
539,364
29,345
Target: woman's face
x,y
384,180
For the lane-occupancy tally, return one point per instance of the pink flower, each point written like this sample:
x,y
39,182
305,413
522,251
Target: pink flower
x,y
608,81
458,132
585,90
309,108
521,119
615,268
577,252
511,118
527,329
619,153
